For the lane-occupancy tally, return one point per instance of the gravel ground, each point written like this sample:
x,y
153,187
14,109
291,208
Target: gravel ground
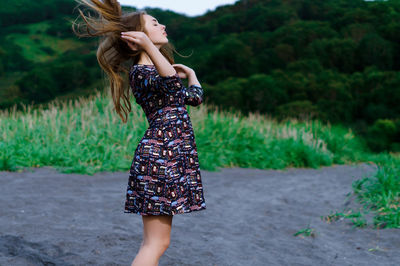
x,y
49,218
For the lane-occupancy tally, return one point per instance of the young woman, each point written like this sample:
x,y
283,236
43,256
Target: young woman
x,y
165,177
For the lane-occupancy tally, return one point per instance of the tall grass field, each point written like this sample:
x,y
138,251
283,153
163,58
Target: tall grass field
x,y
85,135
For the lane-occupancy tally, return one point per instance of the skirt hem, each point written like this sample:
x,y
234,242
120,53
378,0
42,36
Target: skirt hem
x,y
182,211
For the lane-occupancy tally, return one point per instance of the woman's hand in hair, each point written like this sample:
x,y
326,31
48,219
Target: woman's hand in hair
x,y
136,40
183,71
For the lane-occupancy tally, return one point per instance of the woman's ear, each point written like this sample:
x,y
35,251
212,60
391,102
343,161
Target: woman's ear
x,y
133,46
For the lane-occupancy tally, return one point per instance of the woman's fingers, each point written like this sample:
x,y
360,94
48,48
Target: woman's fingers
x,y
127,33
128,38
135,34
183,68
138,37
179,66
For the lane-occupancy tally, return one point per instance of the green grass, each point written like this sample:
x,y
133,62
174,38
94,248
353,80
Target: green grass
x,y
86,136
378,196
381,194
308,232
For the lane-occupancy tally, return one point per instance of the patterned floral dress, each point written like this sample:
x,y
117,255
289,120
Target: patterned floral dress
x,y
165,174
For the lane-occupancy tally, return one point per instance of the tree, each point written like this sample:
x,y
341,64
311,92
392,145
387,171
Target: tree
x,y
374,50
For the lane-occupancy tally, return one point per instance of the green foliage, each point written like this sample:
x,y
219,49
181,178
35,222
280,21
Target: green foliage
x,y
374,95
300,34
381,194
298,109
357,217
11,58
60,28
258,93
374,50
382,134
305,66
269,18
231,57
306,232
26,11
45,82
335,53
37,85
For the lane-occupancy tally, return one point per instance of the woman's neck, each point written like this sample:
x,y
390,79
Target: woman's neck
x,y
144,59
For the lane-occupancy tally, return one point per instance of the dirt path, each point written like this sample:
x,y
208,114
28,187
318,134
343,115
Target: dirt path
x,y
48,218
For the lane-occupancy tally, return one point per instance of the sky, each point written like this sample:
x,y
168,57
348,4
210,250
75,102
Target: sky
x,y
187,7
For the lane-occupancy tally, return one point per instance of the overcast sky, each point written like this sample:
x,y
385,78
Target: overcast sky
x,y
187,7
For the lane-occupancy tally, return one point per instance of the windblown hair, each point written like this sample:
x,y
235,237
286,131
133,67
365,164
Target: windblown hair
x,y
113,51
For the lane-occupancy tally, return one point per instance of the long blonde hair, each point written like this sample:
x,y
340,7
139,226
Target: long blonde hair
x,y
112,51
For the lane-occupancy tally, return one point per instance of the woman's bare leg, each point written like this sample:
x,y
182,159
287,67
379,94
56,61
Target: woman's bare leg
x,y
156,239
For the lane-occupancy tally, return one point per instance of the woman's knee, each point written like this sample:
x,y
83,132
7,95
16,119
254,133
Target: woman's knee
x,y
161,245
157,232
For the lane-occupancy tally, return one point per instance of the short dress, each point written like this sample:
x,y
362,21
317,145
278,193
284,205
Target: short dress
x,y
165,176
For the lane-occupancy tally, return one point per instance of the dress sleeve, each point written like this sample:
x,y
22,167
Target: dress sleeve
x,y
193,95
167,84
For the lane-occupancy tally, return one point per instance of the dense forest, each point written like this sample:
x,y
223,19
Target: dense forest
x,y
333,60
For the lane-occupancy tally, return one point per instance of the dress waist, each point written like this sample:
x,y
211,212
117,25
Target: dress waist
x,y
166,115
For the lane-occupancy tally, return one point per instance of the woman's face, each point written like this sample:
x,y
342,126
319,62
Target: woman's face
x,y
155,30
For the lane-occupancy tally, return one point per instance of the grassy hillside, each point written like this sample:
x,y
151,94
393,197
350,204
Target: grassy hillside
x,y
38,46
14,12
